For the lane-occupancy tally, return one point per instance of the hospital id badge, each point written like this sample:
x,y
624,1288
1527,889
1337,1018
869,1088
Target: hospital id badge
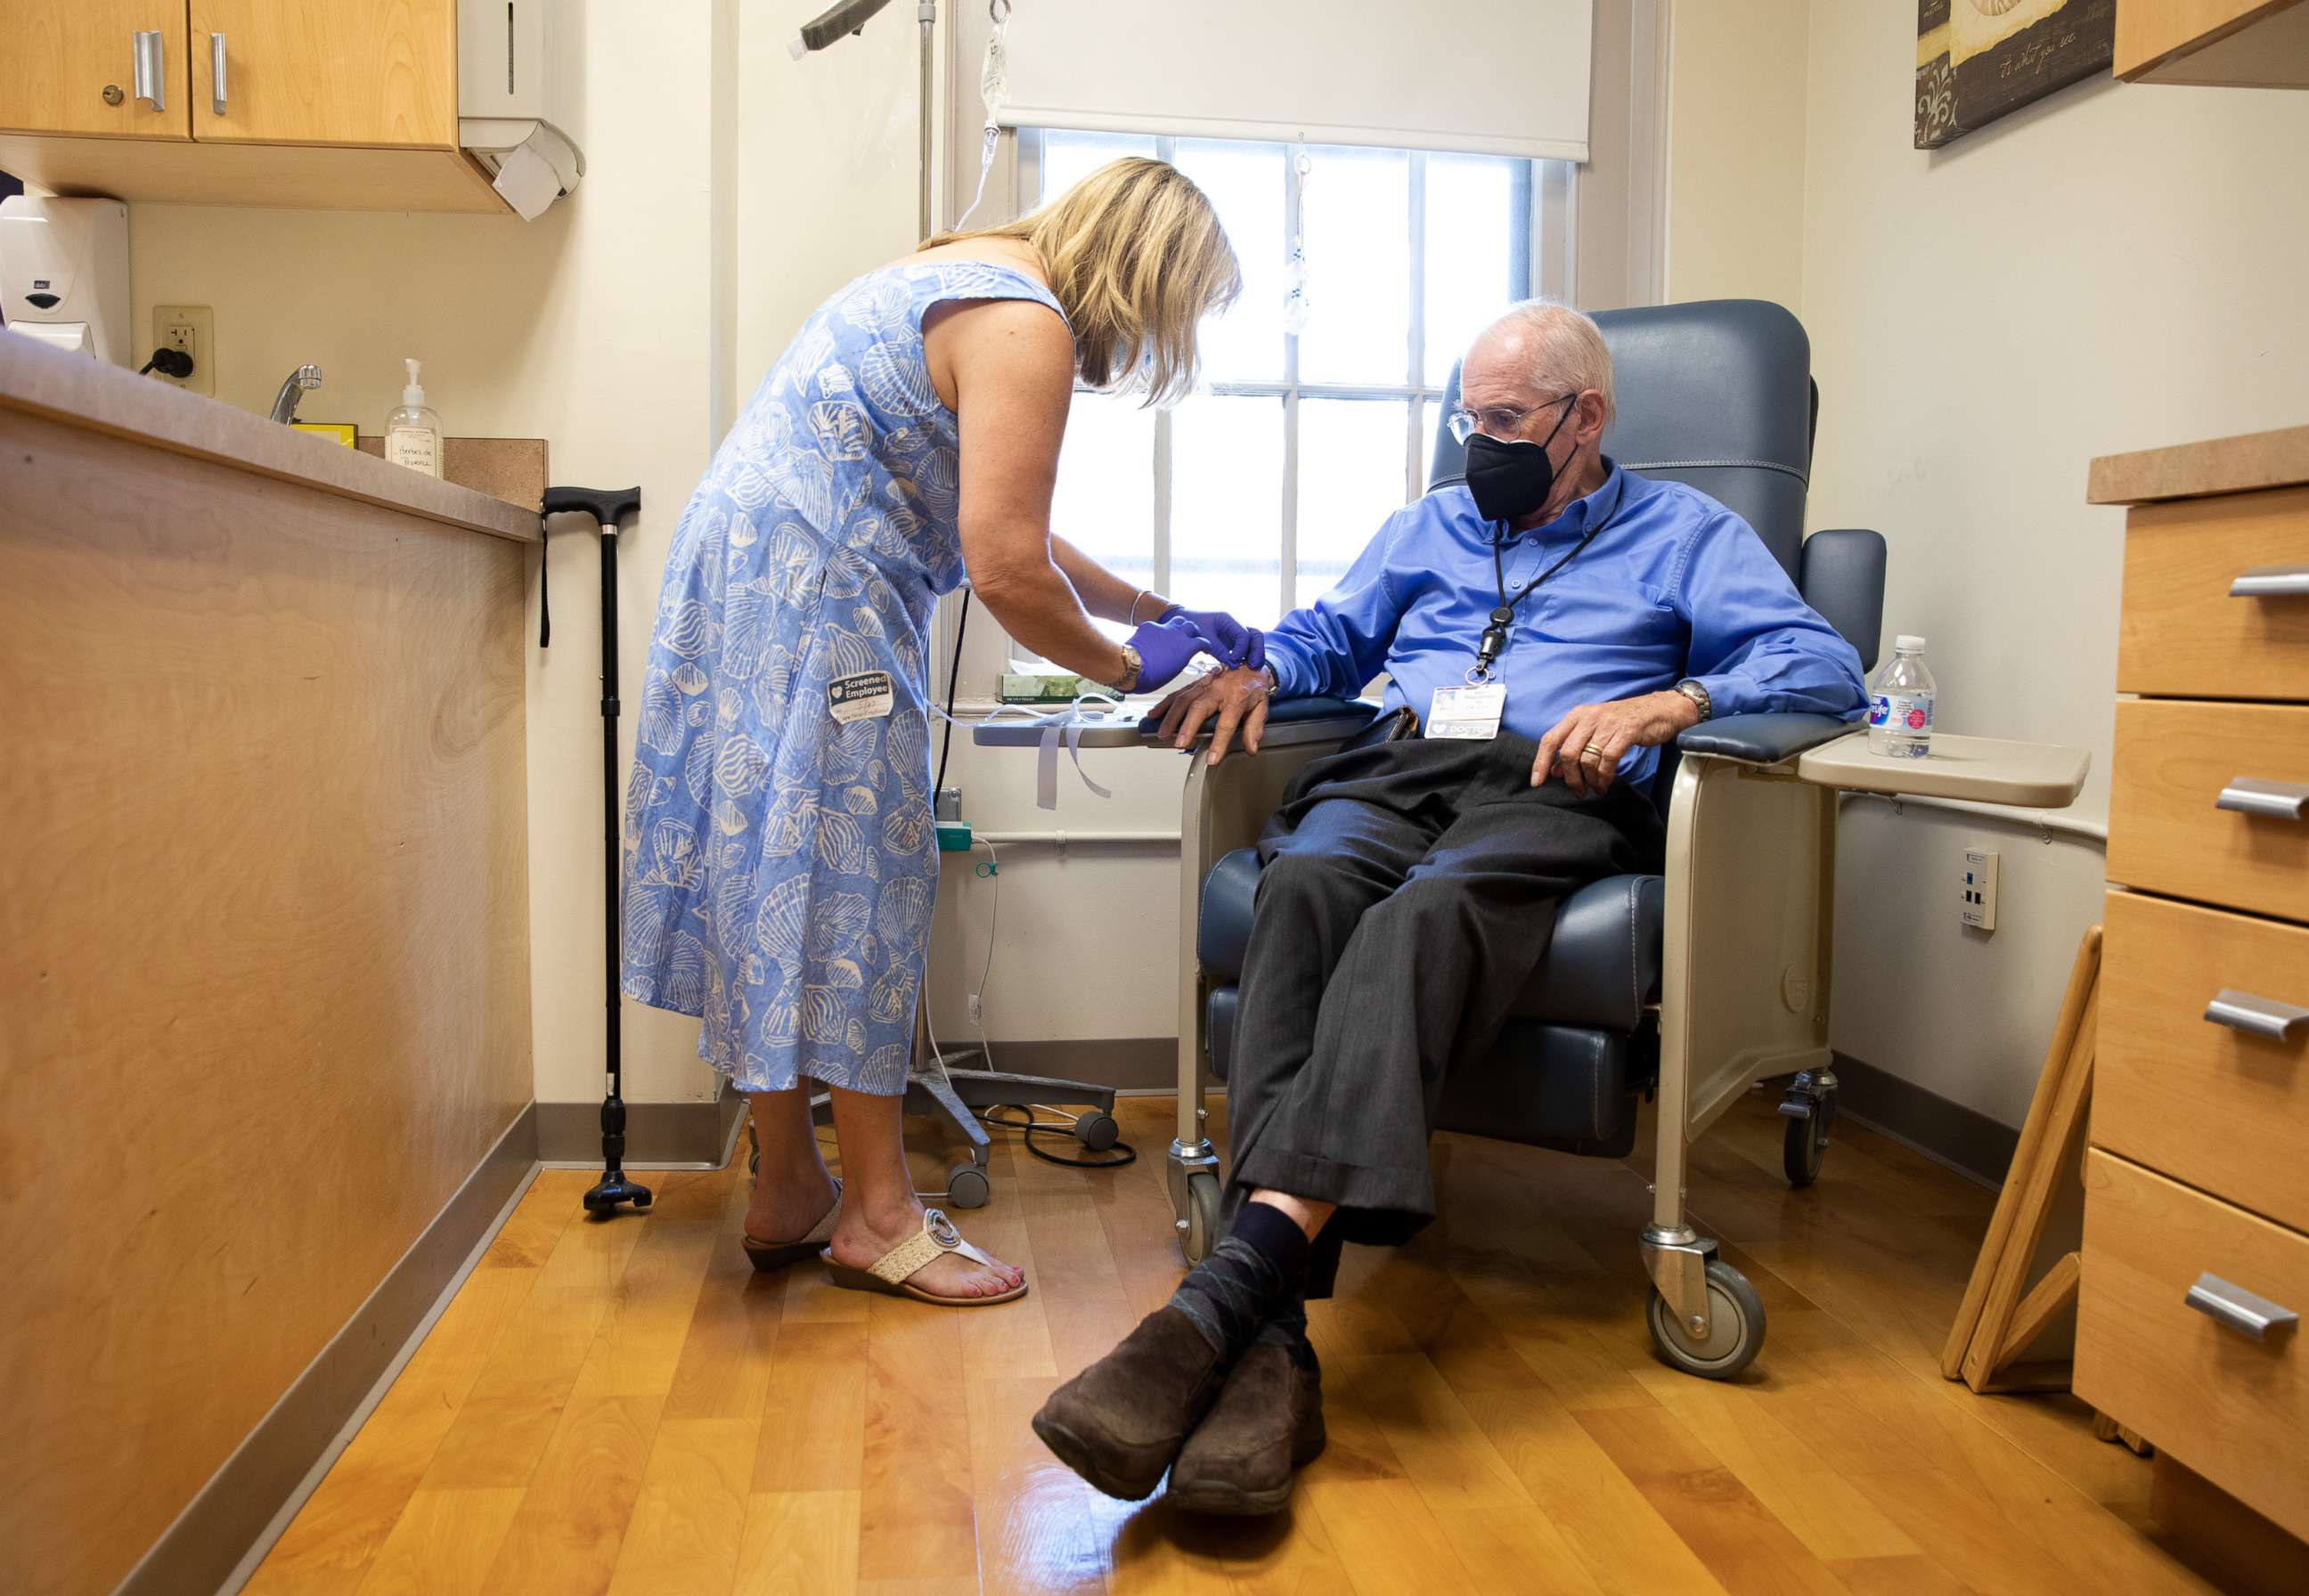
x,y
864,696
1471,712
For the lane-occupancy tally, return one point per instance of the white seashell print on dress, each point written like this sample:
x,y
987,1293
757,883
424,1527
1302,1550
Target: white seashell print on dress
x,y
781,866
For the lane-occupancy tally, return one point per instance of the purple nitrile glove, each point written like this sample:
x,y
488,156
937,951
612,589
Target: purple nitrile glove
x,y
1238,644
1166,648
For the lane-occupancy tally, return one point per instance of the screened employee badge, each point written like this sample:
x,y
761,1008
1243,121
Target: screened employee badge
x,y
864,696
1471,712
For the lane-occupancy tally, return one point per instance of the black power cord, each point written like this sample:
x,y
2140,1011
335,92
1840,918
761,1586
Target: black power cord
x,y
953,677
169,363
1032,1127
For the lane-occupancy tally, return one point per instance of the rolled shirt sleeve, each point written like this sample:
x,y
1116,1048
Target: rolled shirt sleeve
x,y
1334,646
1755,645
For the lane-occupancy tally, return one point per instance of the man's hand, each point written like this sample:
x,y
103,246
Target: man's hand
x,y
1238,697
1586,746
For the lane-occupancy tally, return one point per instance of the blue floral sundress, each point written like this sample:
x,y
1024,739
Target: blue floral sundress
x,y
781,863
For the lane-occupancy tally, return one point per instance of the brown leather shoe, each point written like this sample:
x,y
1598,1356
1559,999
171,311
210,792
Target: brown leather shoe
x,y
1120,1422
1266,1425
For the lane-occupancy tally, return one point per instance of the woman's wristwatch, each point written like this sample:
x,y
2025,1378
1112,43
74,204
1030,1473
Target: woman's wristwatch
x,y
1133,667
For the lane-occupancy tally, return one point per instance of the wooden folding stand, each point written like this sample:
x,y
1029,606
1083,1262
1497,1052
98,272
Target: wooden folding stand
x,y
2004,1315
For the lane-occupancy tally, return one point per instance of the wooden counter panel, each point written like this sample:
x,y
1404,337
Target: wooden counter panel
x,y
263,947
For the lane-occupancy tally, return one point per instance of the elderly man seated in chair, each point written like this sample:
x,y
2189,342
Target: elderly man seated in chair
x,y
1543,630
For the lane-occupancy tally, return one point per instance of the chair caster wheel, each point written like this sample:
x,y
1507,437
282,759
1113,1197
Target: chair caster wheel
x,y
1803,1144
1736,1327
1199,1231
1097,1131
966,1186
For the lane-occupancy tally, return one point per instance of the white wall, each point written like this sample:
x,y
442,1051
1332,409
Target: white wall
x,y
2115,267
1736,129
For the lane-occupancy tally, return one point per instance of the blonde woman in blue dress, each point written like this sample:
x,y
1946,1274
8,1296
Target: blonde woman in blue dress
x,y
779,859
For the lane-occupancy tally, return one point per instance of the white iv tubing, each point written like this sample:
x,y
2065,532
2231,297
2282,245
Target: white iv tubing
x,y
994,90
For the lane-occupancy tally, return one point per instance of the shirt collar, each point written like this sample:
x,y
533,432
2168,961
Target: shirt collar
x,y
1583,514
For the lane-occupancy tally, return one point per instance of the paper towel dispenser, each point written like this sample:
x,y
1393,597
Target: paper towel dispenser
x,y
520,75
64,273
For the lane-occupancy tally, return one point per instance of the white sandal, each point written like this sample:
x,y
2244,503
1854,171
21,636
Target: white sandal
x,y
890,1273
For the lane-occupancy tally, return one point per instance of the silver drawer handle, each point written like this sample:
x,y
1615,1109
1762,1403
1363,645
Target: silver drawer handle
x,y
2271,800
151,64
216,72
2272,581
2259,1016
2237,1307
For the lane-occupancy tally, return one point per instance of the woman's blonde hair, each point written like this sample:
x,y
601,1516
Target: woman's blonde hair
x,y
1136,257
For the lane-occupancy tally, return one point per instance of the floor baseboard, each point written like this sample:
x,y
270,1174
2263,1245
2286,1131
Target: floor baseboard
x,y
658,1136
215,1541
1945,1131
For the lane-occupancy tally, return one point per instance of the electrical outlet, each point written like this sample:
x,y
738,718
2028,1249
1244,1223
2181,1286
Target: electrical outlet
x,y
191,328
1980,890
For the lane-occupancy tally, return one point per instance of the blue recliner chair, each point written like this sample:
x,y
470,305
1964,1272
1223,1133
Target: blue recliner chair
x,y
1693,984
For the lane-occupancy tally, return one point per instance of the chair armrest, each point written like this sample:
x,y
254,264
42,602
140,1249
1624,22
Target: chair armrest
x,y
1760,740
1294,721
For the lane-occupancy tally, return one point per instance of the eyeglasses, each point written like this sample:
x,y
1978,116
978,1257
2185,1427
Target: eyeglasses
x,y
1497,420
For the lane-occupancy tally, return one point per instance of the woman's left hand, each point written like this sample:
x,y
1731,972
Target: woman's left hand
x,y
1234,644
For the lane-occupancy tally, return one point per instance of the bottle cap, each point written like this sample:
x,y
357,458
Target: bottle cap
x,y
413,394
1906,642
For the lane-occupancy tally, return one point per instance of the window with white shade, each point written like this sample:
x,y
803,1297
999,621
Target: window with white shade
x,y
1254,494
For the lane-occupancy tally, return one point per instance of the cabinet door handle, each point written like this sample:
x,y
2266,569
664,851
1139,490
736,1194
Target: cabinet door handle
x,y
216,72
2271,582
2271,800
2258,1016
150,64
2236,1307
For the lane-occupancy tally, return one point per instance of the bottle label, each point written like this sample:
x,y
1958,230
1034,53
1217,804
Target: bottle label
x,y
1901,714
414,447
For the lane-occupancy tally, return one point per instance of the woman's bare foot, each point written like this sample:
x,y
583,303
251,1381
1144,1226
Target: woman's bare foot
x,y
861,1238
786,1207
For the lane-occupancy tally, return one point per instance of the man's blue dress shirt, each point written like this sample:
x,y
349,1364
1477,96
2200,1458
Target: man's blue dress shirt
x,y
1674,585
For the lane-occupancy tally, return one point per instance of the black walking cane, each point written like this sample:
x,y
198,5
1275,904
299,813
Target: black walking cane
x,y
607,507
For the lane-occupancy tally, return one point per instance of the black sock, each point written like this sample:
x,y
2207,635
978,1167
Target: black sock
x,y
1260,1267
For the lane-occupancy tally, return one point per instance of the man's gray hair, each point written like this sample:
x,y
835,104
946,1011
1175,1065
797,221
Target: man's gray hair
x,y
1565,346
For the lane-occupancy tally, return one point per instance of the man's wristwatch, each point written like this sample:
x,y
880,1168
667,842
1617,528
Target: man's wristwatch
x,y
1698,695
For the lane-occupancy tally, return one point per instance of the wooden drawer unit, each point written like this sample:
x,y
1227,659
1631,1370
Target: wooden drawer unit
x,y
2217,598
2233,1406
2224,1106
2198,804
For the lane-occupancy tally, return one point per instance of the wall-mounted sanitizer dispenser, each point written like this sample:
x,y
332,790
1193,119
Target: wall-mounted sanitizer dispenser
x,y
64,273
520,76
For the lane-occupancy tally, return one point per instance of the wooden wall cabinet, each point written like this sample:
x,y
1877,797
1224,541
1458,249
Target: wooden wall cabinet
x,y
2246,43
71,68
267,102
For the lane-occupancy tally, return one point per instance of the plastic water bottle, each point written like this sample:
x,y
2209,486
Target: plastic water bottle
x,y
1900,702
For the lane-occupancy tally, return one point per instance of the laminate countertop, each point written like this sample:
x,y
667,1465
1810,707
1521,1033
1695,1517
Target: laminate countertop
x,y
2241,464
111,399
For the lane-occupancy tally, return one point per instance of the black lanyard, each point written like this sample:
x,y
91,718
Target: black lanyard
x,y
1495,636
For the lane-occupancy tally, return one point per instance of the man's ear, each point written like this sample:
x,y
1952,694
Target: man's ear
x,y
1590,423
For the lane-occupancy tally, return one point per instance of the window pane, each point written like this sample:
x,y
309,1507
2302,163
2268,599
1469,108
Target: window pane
x,y
1351,478
1068,157
1245,183
1357,210
1105,505
1470,253
1227,506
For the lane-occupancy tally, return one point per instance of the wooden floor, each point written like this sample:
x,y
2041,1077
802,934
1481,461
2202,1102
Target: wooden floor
x,y
623,1407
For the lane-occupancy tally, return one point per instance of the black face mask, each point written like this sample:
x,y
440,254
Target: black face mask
x,y
1509,477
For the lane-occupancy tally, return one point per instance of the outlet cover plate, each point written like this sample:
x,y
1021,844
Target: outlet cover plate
x,y
191,328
